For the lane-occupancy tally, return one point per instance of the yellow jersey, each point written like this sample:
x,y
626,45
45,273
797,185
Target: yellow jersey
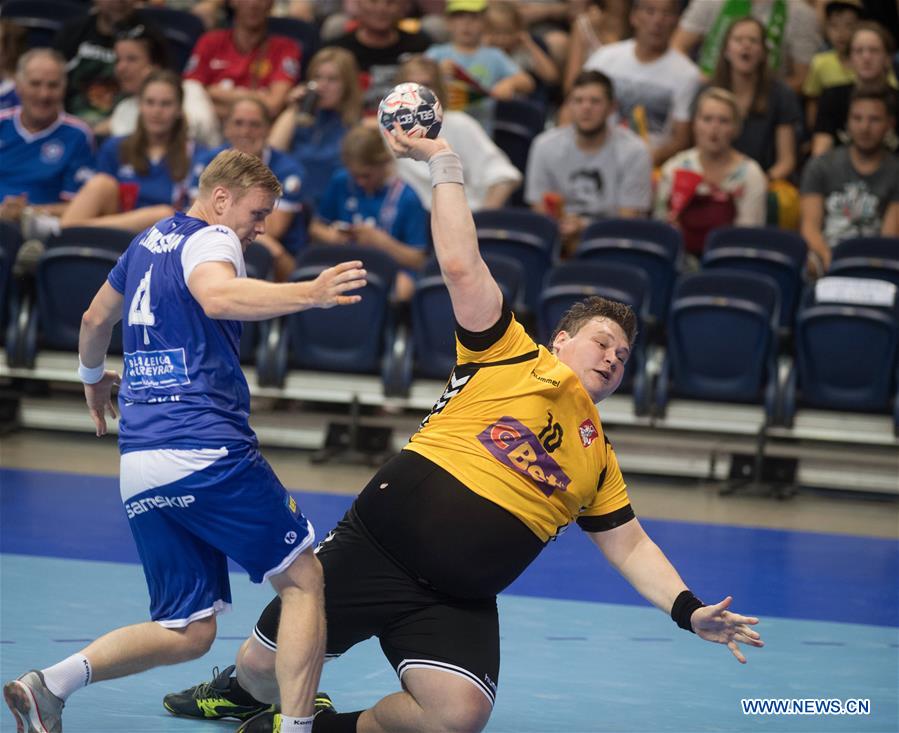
x,y
516,426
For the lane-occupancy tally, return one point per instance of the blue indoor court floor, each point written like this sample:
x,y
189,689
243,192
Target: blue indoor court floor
x,y
581,651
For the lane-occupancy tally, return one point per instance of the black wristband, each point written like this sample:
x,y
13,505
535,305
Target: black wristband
x,y
683,608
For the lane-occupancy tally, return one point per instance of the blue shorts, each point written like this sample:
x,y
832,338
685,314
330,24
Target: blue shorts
x,y
191,509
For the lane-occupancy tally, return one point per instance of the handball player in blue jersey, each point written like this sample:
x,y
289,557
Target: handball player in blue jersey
x,y
194,486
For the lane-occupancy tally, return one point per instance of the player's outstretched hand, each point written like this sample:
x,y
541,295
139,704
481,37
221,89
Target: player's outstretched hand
x,y
716,623
417,148
329,288
100,401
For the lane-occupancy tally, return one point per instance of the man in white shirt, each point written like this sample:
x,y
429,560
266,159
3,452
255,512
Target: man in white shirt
x,y
654,84
599,170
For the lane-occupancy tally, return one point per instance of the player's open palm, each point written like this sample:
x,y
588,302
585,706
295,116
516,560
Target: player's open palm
x,y
717,624
100,402
330,288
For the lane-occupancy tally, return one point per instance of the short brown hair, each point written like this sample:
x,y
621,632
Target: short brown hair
x,y
238,172
363,145
596,307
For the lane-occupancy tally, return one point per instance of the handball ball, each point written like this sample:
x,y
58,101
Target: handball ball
x,y
416,109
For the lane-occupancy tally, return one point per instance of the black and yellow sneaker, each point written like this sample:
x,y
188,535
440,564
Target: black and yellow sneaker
x,y
269,721
215,700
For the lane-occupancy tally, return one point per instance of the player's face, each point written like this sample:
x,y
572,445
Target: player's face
x,y
159,109
714,127
868,125
590,108
597,353
329,85
246,215
868,57
745,49
41,89
246,128
132,65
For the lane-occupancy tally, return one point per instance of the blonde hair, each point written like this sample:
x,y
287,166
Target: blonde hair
x,y
348,70
718,94
363,145
238,172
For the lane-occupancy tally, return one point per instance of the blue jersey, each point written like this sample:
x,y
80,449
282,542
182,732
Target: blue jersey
x,y
157,187
47,166
291,175
395,208
182,385
317,148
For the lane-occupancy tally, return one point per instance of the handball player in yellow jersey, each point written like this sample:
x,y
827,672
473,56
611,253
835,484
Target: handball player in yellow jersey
x,y
511,453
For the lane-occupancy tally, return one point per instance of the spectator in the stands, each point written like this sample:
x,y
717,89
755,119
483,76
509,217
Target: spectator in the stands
x,y
143,177
654,83
853,190
246,59
791,33
88,46
506,31
600,23
317,117
379,46
12,46
476,74
490,177
712,184
137,55
590,169
832,68
246,128
769,108
368,204
47,154
870,53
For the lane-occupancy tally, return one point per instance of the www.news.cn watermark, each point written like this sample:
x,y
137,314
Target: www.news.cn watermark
x,y
805,706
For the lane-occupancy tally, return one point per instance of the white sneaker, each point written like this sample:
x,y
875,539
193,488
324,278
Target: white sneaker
x,y
37,710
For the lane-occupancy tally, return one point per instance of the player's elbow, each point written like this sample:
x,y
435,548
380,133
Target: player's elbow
x,y
215,308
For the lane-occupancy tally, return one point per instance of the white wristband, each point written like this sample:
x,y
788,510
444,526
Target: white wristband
x,y
446,167
90,375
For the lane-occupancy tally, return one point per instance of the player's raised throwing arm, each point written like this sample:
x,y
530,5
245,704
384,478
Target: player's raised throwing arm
x,y
477,300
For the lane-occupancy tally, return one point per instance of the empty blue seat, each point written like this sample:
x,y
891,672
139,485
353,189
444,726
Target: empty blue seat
x,y
112,240
530,238
847,349
721,340
775,252
10,241
66,281
305,34
353,338
516,123
653,246
259,265
869,257
42,18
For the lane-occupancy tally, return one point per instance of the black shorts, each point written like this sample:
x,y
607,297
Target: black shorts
x,y
368,594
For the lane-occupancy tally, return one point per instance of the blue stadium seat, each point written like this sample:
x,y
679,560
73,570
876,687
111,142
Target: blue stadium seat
x,y
775,252
66,281
305,34
42,18
570,282
180,28
530,238
112,240
10,241
354,338
254,334
847,351
516,123
653,246
721,340
433,342
870,257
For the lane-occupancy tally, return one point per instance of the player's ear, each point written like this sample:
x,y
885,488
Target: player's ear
x,y
221,196
559,340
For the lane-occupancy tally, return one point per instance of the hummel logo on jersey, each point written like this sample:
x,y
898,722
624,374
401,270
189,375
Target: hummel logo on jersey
x,y
453,387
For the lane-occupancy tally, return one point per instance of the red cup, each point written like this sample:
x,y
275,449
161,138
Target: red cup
x,y
128,191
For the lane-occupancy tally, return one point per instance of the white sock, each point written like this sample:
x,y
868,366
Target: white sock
x,y
295,725
70,674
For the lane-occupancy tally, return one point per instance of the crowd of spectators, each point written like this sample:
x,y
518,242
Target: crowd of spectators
x,y
693,112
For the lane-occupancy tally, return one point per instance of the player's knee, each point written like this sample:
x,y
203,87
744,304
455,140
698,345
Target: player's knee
x,y
463,712
305,574
197,638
